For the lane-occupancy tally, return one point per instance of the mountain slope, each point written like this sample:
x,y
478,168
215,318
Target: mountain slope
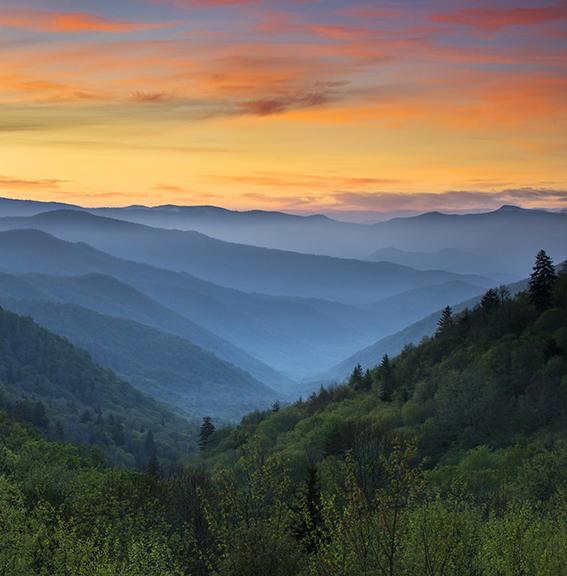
x,y
503,239
395,343
238,266
165,367
491,378
107,295
293,335
45,379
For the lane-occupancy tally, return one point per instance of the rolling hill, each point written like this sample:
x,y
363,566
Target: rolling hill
x,y
292,335
192,381
108,296
247,268
46,380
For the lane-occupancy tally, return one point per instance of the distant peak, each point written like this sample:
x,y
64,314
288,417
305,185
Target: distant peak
x,y
510,208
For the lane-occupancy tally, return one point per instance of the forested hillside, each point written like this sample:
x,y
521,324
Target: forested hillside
x,y
46,381
449,459
189,379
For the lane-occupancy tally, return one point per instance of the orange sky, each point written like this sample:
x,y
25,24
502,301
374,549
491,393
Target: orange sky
x,y
314,106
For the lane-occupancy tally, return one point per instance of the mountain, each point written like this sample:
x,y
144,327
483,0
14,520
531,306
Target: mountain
x,y
449,259
508,237
247,268
398,311
15,207
108,296
395,343
46,380
491,377
450,459
293,335
505,239
168,368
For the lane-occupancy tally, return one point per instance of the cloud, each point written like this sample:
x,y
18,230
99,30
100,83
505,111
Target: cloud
x,y
451,200
9,183
69,22
307,182
488,18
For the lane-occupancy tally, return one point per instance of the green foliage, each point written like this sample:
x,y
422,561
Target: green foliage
x,y
450,461
46,381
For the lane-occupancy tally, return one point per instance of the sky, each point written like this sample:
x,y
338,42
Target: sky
x,y
304,105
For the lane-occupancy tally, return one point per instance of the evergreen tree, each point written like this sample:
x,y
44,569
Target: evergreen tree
x,y
541,281
386,376
276,406
367,380
355,379
308,523
207,430
504,294
445,321
490,301
149,444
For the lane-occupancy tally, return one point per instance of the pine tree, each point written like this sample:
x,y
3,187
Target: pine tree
x,y
386,375
207,430
490,301
355,379
541,281
308,525
367,380
149,444
276,406
445,321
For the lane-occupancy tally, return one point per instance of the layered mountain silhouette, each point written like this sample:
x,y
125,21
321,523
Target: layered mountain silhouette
x,y
191,380
246,268
504,239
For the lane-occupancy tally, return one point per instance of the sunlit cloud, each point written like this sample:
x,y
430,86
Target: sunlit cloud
x,y
305,101
70,22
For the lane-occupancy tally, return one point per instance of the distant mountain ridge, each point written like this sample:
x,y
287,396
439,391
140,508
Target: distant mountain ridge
x,y
238,266
505,237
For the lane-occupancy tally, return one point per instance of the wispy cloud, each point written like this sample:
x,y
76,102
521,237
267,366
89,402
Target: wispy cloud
x,y
69,22
20,184
490,18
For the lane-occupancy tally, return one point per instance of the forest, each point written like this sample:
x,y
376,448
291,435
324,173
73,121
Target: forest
x,y
448,459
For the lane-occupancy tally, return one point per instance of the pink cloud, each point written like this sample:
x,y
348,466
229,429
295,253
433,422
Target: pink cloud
x,y
42,21
487,18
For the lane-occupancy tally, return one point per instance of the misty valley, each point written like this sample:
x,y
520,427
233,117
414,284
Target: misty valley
x,y
196,391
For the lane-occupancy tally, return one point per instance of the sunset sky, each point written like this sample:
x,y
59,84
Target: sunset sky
x,y
299,105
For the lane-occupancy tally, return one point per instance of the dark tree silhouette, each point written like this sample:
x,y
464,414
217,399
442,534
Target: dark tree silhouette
x,y
207,430
445,321
308,524
149,444
356,377
387,378
541,281
490,301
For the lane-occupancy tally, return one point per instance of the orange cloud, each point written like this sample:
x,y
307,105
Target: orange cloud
x,y
8,183
61,22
